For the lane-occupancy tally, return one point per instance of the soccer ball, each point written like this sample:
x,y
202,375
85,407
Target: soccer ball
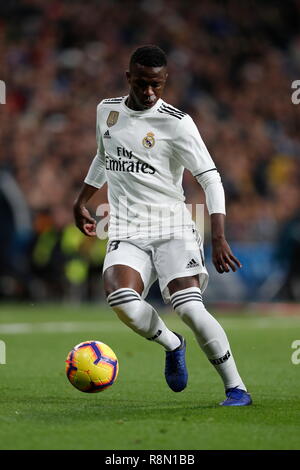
x,y
92,366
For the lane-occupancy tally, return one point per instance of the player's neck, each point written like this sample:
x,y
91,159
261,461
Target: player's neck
x,y
134,106
131,104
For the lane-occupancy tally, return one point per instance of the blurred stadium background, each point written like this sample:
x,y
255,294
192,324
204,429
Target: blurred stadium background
x,y
231,67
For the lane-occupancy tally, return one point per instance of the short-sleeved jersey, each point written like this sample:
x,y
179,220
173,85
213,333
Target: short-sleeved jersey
x,y
142,156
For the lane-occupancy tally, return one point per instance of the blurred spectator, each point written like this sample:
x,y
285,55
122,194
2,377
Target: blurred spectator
x,y
15,237
65,263
288,256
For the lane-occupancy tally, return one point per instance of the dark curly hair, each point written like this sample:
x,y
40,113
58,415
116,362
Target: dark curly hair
x,y
150,55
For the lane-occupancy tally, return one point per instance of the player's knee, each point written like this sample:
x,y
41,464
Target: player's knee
x,y
110,286
117,276
188,304
126,303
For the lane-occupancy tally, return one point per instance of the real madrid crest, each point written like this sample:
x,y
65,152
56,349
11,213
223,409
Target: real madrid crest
x,y
112,118
149,140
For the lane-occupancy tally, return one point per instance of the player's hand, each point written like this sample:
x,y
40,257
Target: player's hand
x,y
223,258
84,221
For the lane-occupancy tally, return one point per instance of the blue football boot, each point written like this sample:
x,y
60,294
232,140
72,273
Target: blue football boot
x,y
236,397
175,371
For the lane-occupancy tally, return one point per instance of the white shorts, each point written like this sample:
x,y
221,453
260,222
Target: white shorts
x,y
162,259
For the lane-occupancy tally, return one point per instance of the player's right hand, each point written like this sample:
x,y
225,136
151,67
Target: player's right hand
x,y
84,221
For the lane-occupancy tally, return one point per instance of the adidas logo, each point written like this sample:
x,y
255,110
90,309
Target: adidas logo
x,y
107,135
192,264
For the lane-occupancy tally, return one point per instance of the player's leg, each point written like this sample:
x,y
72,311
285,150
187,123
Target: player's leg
x,y
183,277
186,300
124,286
128,274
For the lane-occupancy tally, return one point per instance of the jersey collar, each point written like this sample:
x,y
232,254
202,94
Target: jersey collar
x,y
132,112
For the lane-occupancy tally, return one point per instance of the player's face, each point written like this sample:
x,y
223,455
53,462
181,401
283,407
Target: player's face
x,y
146,86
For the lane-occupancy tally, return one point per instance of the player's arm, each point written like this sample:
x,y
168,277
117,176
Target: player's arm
x,y
194,155
83,219
222,256
94,180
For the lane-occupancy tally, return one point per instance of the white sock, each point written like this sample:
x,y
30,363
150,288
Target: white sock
x,y
141,317
209,334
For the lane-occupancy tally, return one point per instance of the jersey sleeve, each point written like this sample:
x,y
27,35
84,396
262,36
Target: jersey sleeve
x,y
190,149
193,155
96,175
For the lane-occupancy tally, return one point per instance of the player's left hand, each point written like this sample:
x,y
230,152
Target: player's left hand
x,y
223,258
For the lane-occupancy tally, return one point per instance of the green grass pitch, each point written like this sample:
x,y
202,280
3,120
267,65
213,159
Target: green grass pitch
x,y
39,409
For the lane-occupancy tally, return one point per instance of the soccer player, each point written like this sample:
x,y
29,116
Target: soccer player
x,y
144,144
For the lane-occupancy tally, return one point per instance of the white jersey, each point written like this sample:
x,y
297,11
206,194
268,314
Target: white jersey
x,y
142,156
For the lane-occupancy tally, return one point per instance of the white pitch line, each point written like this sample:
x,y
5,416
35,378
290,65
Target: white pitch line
x,y
98,327
56,327
260,323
